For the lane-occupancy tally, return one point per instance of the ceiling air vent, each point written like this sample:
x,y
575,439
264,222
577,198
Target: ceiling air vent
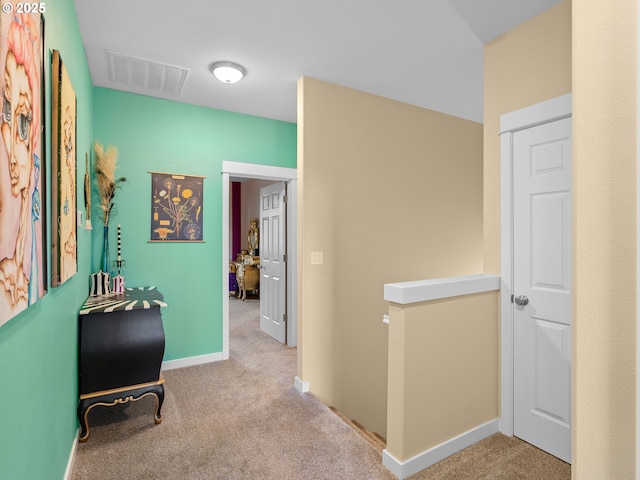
x,y
142,74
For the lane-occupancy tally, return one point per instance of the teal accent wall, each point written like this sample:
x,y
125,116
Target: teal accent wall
x,y
165,136
38,348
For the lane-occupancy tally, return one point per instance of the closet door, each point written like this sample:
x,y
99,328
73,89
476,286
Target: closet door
x,y
542,286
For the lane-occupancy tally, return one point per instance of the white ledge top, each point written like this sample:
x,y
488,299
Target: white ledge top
x,y
436,288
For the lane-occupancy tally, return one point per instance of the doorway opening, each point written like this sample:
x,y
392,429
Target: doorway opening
x,y
232,171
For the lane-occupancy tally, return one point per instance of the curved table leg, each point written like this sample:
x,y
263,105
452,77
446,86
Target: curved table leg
x,y
159,391
109,399
82,418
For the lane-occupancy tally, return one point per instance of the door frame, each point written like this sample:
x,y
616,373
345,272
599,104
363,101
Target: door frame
x,y
262,172
510,123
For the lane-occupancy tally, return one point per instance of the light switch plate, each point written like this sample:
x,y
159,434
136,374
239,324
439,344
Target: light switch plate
x,y
316,258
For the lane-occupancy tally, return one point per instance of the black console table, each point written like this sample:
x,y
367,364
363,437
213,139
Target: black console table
x,y
121,351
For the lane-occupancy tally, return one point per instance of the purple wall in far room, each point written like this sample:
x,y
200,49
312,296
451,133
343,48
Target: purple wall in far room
x,y
236,228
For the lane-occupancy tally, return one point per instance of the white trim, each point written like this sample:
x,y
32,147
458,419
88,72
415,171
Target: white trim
x,y
301,386
292,264
433,289
191,361
254,170
425,459
506,290
226,188
264,172
544,112
548,111
72,456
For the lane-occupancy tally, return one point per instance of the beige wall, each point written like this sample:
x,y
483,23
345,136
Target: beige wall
x,y
527,65
443,371
590,48
388,192
605,221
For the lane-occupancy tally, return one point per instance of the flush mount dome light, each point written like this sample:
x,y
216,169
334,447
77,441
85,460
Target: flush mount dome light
x,y
228,72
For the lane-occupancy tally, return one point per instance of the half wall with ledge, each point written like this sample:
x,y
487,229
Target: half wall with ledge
x,y
443,384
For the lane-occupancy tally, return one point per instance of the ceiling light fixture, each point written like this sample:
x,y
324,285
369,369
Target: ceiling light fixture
x,y
228,72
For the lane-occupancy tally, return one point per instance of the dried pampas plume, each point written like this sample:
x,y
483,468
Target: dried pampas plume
x,y
105,168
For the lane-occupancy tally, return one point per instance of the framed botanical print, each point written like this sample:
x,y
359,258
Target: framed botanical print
x,y
64,261
177,207
23,264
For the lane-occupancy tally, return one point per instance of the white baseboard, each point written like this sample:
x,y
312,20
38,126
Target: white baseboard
x,y
190,361
423,460
302,387
72,456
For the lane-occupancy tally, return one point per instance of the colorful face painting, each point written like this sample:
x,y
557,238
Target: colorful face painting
x,y
22,230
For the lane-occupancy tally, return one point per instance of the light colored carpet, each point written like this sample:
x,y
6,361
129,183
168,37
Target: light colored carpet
x,y
242,419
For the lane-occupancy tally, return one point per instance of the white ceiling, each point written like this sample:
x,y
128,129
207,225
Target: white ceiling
x,y
423,52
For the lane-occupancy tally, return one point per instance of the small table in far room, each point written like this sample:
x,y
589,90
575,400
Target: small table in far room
x,y
247,274
121,349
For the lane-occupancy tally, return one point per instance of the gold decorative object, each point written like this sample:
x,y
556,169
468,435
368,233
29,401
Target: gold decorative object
x,y
253,237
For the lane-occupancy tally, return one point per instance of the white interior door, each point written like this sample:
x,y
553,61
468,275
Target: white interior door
x,y
273,267
542,286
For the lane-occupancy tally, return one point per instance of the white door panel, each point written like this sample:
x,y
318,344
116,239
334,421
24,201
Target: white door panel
x,y
272,265
542,274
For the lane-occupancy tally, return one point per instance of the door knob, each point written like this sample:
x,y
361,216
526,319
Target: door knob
x,y
522,300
